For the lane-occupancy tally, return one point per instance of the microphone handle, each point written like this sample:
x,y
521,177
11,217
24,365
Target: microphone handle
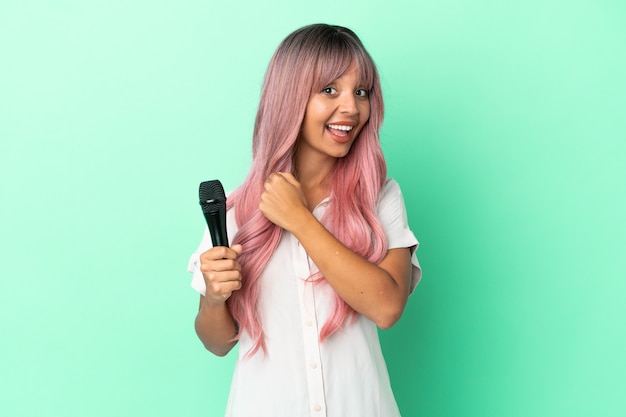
x,y
217,228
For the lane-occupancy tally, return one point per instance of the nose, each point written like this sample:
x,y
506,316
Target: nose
x,y
347,104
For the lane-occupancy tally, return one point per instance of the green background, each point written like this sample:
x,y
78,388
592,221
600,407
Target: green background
x,y
504,126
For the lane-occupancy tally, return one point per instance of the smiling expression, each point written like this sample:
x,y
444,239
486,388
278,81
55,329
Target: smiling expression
x,y
335,116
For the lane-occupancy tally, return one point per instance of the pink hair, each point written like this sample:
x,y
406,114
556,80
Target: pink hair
x,y
306,61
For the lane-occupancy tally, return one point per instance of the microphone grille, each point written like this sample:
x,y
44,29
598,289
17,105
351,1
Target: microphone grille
x,y
212,196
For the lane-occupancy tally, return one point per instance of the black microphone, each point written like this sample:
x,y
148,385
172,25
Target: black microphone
x,y
213,203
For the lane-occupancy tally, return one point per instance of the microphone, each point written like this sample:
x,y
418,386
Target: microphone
x,y
213,203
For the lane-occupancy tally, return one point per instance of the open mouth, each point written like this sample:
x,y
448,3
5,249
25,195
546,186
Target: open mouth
x,y
340,130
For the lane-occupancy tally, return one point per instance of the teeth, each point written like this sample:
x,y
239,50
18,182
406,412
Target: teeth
x,y
341,127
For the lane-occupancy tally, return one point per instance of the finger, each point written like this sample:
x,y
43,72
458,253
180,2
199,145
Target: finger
x,y
273,177
284,176
224,290
218,252
220,277
238,248
220,265
288,176
217,281
231,286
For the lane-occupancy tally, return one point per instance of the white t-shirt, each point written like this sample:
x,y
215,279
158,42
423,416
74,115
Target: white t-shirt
x,y
344,376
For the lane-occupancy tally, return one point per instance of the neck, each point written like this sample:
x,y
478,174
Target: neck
x,y
311,172
313,177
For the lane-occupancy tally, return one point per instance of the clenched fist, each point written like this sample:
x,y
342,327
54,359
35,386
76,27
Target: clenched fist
x,y
283,202
222,273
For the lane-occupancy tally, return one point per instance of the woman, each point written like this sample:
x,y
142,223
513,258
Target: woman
x,y
321,252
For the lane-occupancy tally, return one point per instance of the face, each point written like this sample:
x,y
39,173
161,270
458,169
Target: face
x,y
334,117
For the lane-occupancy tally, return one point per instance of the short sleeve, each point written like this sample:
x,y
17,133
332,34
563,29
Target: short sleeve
x,y
393,217
197,280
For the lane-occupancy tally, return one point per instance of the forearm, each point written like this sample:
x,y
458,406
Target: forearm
x,y
379,292
216,327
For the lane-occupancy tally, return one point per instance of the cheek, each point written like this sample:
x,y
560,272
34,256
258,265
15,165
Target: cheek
x,y
364,112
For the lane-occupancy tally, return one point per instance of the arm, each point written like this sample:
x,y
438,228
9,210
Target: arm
x,y
214,324
379,292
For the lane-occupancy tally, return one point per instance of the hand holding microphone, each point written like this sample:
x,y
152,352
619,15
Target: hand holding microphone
x,y
219,266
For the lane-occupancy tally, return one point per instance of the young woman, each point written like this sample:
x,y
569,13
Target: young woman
x,y
321,252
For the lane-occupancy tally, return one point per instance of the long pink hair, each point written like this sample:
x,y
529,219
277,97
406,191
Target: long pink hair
x,y
307,61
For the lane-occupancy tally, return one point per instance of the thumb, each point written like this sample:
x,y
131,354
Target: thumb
x,y
290,178
237,248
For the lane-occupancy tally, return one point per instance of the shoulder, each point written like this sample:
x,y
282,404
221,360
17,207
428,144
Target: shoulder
x,y
391,210
389,194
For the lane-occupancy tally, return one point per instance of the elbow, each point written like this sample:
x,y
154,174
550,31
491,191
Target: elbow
x,y
221,352
218,347
390,310
387,318
387,321
390,305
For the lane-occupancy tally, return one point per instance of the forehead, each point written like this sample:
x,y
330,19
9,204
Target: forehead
x,y
329,70
352,74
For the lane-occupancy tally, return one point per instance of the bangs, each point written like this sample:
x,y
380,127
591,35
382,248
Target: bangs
x,y
335,58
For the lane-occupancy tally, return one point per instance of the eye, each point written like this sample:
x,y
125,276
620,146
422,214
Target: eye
x,y
329,90
362,92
